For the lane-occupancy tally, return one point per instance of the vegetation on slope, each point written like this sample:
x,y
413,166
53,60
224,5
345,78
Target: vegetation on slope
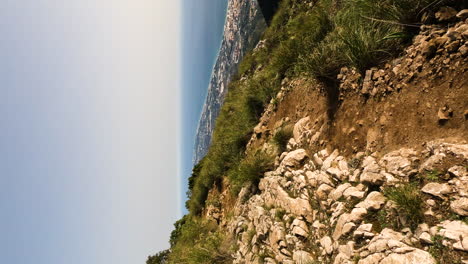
x,y
311,38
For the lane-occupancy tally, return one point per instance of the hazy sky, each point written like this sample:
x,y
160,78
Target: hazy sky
x,y
203,22
89,121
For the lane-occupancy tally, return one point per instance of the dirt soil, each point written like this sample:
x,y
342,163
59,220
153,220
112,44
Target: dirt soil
x,y
385,122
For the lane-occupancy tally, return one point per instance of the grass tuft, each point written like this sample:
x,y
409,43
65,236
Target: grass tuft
x,y
409,202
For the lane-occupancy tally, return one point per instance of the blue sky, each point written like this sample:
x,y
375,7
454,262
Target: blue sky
x,y
203,22
90,129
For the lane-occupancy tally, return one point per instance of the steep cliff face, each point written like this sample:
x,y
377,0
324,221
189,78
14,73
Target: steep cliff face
x,y
243,28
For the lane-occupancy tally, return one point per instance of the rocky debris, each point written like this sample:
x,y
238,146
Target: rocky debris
x,y
435,47
400,163
305,204
389,247
440,152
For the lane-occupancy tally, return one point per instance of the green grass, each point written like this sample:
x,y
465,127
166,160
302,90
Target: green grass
x,y
409,202
443,254
250,169
199,241
432,176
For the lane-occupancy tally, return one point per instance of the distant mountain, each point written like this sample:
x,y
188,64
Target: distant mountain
x,y
242,30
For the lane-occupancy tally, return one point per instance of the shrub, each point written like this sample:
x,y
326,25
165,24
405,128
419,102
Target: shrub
x,y
281,137
409,202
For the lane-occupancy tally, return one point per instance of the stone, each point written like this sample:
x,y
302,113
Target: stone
x,y
426,238
374,201
323,191
300,127
437,189
372,178
353,192
446,14
339,226
294,158
300,228
458,171
460,206
462,15
338,192
327,244
347,228
302,257
357,214
444,114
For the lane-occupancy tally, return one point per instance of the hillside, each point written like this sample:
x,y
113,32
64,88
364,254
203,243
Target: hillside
x,y
342,139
